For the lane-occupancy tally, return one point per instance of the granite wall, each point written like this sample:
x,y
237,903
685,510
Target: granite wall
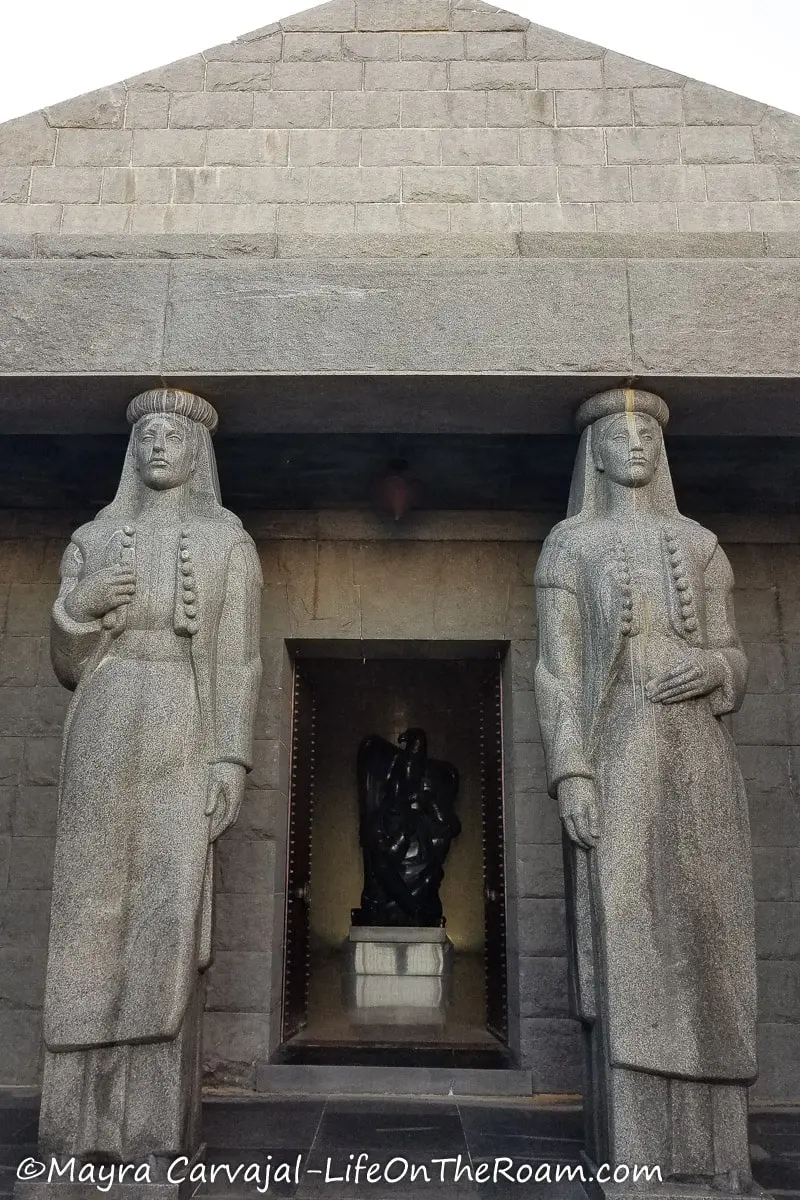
x,y
453,586
424,120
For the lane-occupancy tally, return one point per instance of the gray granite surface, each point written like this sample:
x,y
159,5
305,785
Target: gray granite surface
x,y
414,122
155,631
581,316
639,659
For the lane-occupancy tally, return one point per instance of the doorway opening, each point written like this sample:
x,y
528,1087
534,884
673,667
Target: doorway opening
x,y
344,692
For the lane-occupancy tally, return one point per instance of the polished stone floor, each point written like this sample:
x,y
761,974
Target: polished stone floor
x,y
328,1133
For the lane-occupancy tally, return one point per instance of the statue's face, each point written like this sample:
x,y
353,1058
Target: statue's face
x,y
628,448
164,451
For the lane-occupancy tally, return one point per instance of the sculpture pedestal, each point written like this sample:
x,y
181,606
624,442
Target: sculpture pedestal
x,y
397,975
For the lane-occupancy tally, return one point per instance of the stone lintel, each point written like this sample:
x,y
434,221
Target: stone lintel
x,y
400,246
548,316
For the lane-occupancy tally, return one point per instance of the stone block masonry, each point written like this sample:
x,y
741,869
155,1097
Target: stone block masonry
x,y
454,589
362,103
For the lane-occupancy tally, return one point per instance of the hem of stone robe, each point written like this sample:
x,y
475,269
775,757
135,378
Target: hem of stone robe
x,y
129,1101
588,1000
711,1080
688,1128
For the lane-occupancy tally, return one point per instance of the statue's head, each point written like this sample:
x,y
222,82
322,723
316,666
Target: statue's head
x,y
164,447
414,741
621,446
626,434
170,450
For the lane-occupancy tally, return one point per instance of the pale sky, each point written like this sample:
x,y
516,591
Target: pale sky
x,y
51,50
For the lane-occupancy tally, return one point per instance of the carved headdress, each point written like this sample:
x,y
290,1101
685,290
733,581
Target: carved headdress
x,y
583,495
621,400
201,494
176,402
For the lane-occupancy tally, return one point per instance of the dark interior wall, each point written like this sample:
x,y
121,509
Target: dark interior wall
x,y
386,696
463,471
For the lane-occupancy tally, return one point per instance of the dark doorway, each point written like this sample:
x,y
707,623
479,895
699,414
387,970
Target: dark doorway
x,y
337,701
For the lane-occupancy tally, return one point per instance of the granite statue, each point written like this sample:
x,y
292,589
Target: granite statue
x,y
408,821
639,659
155,630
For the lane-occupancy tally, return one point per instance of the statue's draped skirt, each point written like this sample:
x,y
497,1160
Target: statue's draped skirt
x,y
132,839
673,880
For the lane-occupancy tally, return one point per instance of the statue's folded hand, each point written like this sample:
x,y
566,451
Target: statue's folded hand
x,y
225,794
580,810
101,592
701,675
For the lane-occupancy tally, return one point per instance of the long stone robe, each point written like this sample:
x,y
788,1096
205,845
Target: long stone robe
x,y
162,694
663,943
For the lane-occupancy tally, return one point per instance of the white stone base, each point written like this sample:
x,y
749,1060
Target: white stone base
x,y
397,975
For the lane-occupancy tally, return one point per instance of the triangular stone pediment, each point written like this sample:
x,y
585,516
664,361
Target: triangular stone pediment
x,y
373,117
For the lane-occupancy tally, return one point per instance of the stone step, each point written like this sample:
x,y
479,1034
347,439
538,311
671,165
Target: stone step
x,y
311,1080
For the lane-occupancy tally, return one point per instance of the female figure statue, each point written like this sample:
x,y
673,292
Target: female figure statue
x,y
155,629
638,660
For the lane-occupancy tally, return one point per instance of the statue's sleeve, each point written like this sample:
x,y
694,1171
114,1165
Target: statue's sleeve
x,y
72,643
559,670
722,634
238,662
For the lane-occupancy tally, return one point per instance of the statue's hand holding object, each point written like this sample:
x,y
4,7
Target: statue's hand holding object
x,y
101,592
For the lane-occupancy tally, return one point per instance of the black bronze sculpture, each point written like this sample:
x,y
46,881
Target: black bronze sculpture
x,y
408,820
